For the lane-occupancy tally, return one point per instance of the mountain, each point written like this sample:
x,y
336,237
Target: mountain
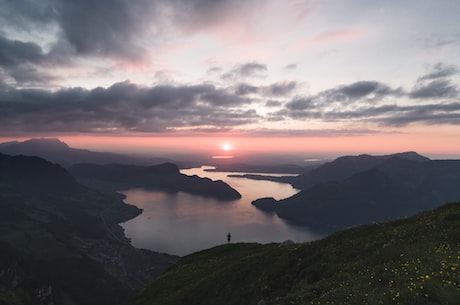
x,y
57,151
374,189
344,167
164,176
60,242
409,261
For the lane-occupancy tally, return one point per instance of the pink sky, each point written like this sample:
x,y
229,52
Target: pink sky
x,y
310,76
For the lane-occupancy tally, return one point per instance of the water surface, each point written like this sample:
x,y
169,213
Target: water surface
x,y
181,223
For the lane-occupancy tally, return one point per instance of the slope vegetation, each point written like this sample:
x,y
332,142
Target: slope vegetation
x,y
409,261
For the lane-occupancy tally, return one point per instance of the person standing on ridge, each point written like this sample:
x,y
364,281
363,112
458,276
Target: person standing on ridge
x,y
229,237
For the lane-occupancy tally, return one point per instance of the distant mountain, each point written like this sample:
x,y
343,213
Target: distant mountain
x,y
57,151
164,176
36,175
60,242
410,261
374,189
344,167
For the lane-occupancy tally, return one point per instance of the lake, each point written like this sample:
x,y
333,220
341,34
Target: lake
x,y
181,223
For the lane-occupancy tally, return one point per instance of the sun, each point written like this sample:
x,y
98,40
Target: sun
x,y
226,147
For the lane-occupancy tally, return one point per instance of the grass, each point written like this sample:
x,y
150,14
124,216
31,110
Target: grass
x,y
408,261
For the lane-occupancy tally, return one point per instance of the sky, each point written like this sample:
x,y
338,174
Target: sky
x,y
348,76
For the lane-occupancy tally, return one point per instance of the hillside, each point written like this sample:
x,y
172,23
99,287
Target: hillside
x,y
61,241
368,189
409,261
344,167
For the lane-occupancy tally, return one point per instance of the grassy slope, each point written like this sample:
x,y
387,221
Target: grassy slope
x,y
410,261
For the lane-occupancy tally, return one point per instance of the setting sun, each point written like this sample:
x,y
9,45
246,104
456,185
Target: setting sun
x,y
226,146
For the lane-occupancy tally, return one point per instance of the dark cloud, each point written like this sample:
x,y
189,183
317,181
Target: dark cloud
x,y
300,103
26,14
121,107
19,61
15,52
351,103
440,70
244,89
431,114
309,132
195,15
104,26
395,115
117,28
273,103
251,69
436,83
438,88
222,98
281,88
101,28
359,90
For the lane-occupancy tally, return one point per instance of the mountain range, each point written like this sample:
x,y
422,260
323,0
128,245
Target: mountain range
x,y
60,242
164,176
112,172
356,190
59,152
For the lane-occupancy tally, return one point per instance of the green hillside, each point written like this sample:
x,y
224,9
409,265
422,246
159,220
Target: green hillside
x,y
409,261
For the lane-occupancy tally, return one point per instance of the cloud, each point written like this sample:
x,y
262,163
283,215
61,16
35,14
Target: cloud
x,y
281,88
273,103
359,90
123,107
377,103
436,83
103,27
395,115
290,67
300,103
443,41
440,70
15,52
244,89
118,29
21,61
246,70
438,88
197,15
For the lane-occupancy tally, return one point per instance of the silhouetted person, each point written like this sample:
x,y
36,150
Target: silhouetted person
x,y
229,237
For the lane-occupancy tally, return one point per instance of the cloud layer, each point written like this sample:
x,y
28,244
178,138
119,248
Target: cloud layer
x,y
272,66
127,107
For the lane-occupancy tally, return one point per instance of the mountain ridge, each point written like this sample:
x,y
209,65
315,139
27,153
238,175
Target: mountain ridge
x,y
63,240
364,189
57,151
164,176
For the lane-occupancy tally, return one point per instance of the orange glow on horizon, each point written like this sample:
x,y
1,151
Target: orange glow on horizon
x,y
434,142
222,157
